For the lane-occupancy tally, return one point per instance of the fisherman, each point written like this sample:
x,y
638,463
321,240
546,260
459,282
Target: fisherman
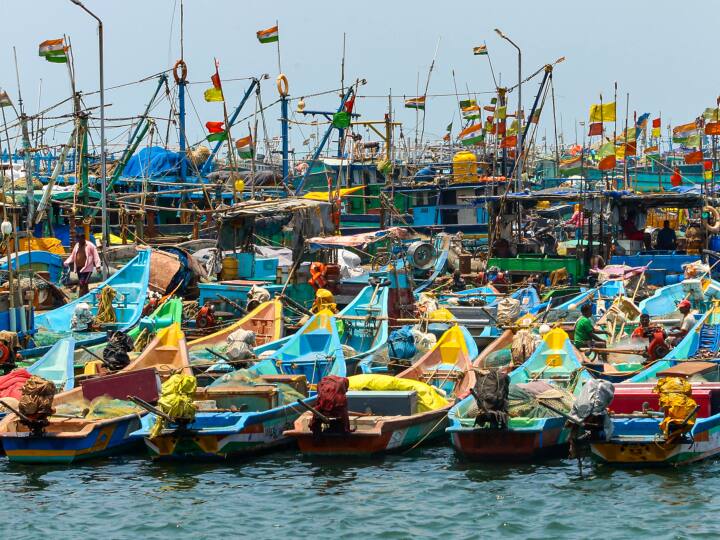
x,y
577,221
586,334
657,344
458,283
666,239
83,260
642,330
688,321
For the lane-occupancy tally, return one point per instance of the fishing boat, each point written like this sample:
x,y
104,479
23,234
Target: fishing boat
x,y
700,293
554,362
130,284
364,325
265,321
402,412
249,410
99,420
56,365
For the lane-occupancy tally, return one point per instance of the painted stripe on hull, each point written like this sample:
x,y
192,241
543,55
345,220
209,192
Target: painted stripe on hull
x,y
498,445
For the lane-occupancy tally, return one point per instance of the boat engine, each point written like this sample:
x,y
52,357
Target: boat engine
x,y
9,347
206,316
589,414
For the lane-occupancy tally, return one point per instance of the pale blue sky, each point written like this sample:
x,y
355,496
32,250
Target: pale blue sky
x,y
659,51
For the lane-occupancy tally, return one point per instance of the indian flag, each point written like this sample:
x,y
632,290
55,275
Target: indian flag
x,y
5,99
571,165
53,50
245,147
268,36
473,134
415,103
480,50
471,113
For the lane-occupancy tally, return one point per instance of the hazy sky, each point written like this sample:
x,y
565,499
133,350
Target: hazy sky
x,y
661,52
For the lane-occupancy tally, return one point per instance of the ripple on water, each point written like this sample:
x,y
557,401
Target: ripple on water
x,y
425,493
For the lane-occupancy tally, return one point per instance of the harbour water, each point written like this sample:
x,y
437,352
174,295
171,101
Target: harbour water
x,y
426,493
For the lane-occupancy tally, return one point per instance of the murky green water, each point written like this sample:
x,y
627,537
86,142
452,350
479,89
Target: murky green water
x,y
428,493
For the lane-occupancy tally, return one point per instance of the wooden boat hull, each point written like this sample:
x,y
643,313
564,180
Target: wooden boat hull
x,y
479,444
261,432
390,436
108,438
644,451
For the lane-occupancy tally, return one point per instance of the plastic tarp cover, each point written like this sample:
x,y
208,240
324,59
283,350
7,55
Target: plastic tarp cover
x,y
153,161
428,398
594,399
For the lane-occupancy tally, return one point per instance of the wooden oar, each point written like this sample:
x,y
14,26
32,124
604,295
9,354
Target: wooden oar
x,y
313,410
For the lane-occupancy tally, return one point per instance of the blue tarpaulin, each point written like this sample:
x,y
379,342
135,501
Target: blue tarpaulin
x,y
154,161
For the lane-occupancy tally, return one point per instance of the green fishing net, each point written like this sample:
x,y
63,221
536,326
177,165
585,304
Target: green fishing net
x,y
245,377
100,408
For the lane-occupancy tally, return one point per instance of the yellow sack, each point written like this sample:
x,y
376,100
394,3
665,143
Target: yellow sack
x,y
673,385
428,398
674,398
442,314
324,299
176,400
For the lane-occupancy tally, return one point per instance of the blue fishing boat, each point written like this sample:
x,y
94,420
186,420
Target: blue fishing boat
x,y
37,261
538,432
56,365
250,409
364,325
664,302
130,284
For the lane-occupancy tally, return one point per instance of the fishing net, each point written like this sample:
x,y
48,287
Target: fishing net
x,y
497,359
246,377
100,408
523,345
37,397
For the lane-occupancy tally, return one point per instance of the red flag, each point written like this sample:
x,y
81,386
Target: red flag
x,y
596,128
656,123
216,77
501,128
631,149
215,127
676,179
707,165
349,104
509,142
712,128
694,157
607,163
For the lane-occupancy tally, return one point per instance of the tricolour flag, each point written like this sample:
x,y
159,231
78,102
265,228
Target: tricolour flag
x,y
268,36
245,147
602,112
682,133
473,134
54,50
471,113
415,103
480,50
571,165
216,130
5,99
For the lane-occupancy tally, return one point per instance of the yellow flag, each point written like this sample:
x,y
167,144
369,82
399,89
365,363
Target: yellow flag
x,y
655,133
602,113
214,94
620,151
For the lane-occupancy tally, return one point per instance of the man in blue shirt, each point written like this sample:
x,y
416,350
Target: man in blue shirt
x,y
666,239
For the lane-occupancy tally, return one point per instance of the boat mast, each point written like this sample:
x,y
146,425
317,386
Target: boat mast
x,y
182,82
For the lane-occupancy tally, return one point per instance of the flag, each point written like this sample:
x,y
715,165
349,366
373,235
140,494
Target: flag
x,y
596,128
216,130
513,129
467,103
630,148
215,93
656,128
630,134
471,135
642,120
489,127
682,133
448,129
652,149
349,105
693,141
501,113
602,113
712,128
471,113
244,147
711,113
493,101
268,36
54,50
708,169
535,116
480,50
571,165
509,142
606,154
415,103
694,157
5,99
501,127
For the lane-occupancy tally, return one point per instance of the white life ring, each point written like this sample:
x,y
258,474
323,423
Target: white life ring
x,y
716,216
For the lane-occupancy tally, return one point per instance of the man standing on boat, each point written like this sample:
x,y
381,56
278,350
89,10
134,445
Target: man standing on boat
x,y
83,260
586,334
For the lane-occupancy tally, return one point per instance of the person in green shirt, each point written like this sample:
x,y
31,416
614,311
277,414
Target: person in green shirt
x,y
585,334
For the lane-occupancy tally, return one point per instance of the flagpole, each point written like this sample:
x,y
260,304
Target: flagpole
x,y
625,156
11,286
277,25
